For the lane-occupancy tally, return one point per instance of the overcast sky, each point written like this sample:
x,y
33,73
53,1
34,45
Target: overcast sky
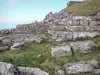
x,y
13,12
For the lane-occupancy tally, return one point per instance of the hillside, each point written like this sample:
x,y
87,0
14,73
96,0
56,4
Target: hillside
x,y
62,44
89,7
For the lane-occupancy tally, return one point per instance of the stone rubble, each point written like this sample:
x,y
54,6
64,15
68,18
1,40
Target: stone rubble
x,y
79,67
72,48
10,69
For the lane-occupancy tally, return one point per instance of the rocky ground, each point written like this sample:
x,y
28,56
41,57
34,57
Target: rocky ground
x,y
61,44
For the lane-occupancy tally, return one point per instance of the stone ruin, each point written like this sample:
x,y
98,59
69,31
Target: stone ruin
x,y
61,26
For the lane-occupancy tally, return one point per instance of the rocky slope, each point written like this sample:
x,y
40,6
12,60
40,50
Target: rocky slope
x,y
63,27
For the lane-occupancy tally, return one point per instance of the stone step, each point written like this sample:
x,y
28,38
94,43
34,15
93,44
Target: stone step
x,y
70,36
72,48
74,28
84,67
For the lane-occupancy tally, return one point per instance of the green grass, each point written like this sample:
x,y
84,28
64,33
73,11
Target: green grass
x,y
1,44
39,55
90,7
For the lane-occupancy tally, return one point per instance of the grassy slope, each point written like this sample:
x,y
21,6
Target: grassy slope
x,y
90,7
39,55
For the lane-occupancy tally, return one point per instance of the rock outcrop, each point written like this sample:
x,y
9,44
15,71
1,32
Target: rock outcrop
x,y
61,51
67,27
83,46
79,67
61,26
72,48
31,71
10,69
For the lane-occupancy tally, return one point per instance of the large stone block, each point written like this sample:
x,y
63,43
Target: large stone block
x,y
61,51
76,28
8,69
31,71
72,68
17,46
82,46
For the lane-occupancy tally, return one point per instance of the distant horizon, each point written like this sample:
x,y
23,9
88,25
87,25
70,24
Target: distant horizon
x,y
15,12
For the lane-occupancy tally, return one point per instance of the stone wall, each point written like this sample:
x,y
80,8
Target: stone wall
x,y
67,27
61,26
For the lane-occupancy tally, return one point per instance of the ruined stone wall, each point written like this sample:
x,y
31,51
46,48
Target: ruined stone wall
x,y
70,27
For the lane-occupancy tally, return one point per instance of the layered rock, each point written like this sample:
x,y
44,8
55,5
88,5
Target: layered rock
x,y
72,48
79,67
61,51
66,27
31,71
61,26
10,69
82,46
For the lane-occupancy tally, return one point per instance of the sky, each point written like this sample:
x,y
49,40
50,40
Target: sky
x,y
14,12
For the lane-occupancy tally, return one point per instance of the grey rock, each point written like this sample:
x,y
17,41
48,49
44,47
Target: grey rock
x,y
7,42
39,40
72,68
18,39
94,63
29,40
5,48
8,69
50,17
76,28
1,38
31,71
96,71
17,46
93,23
70,36
58,51
6,31
59,72
83,46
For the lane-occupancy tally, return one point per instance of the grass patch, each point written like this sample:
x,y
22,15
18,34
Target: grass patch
x,y
39,55
89,7
1,44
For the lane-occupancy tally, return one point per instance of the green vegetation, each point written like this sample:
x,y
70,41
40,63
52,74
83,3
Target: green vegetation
x,y
89,7
0,43
39,55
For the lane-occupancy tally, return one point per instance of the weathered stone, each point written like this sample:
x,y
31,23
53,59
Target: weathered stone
x,y
84,22
38,40
19,40
72,68
76,28
59,72
66,35
6,31
8,69
29,40
17,46
7,42
31,71
50,17
61,51
57,27
83,46
94,63
96,71
4,48
1,38
93,23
